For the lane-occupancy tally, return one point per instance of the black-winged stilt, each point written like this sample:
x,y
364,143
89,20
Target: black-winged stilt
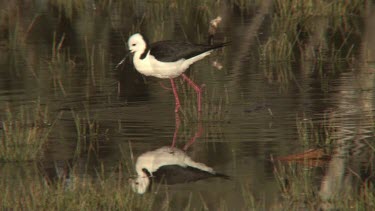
x,y
168,59
170,166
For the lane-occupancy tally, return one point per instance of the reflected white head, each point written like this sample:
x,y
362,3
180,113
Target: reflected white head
x,y
140,184
137,43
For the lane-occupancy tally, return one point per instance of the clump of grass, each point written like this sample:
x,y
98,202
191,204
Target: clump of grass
x,y
13,31
297,186
60,63
10,29
287,17
308,183
278,49
157,15
313,134
298,24
214,106
251,202
300,189
85,126
96,61
245,5
280,73
24,132
74,192
89,132
69,7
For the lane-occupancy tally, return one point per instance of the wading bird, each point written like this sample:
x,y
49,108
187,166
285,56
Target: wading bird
x,y
168,59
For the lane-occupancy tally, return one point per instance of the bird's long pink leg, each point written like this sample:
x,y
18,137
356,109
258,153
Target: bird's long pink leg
x,y
177,126
164,87
178,104
196,135
197,89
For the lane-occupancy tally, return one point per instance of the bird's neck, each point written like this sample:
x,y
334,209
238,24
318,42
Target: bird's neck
x,y
144,53
139,171
140,55
142,173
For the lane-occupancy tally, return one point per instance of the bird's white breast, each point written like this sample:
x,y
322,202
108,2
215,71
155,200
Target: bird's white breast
x,y
142,65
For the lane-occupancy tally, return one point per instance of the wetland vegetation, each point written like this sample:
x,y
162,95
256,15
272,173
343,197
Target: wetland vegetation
x,y
287,107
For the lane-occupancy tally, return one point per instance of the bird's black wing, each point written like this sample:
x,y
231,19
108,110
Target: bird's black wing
x,y
174,174
171,51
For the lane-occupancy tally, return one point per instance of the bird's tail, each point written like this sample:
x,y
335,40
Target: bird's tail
x,y
224,176
220,45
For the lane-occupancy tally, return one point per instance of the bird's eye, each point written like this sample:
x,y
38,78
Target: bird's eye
x,y
133,44
137,183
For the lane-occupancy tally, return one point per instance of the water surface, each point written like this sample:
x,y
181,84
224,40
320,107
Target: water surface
x,y
249,115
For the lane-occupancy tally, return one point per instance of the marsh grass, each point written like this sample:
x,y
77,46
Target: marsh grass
x,y
159,15
96,63
24,133
60,63
278,49
89,133
302,185
29,191
10,28
279,73
214,105
14,34
300,190
69,8
306,26
245,5
199,12
14,31
297,186
313,134
251,202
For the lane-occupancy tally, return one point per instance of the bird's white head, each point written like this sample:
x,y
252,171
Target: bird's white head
x,y
137,43
140,184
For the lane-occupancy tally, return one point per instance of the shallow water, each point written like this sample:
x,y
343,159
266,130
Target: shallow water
x,y
247,117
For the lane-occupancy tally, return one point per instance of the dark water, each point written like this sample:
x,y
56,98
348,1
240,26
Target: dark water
x,y
248,116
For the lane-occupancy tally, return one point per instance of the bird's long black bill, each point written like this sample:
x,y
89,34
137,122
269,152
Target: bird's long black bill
x,y
122,61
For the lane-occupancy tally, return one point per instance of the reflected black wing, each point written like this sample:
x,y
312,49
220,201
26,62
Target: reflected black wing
x,y
171,51
174,174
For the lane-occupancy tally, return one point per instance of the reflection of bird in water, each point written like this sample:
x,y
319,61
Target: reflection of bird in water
x,y
170,166
168,59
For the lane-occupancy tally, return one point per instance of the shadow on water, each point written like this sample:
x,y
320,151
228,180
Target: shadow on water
x,y
131,85
287,109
